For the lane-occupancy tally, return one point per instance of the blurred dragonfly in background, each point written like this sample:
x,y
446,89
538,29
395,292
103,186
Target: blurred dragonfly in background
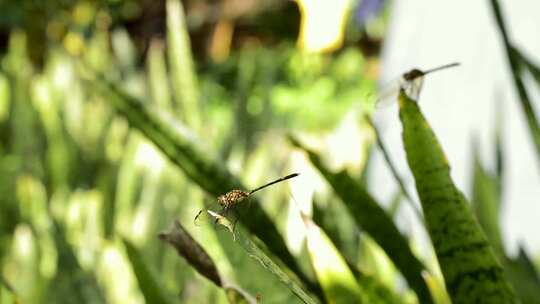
x,y
411,82
230,200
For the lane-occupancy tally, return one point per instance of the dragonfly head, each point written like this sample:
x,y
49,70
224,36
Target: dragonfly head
x,y
413,74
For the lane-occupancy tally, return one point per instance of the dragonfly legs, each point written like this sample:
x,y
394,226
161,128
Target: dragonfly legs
x,y
197,217
220,218
229,211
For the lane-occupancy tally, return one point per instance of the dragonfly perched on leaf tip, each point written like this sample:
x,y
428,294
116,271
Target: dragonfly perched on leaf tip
x,y
411,82
231,199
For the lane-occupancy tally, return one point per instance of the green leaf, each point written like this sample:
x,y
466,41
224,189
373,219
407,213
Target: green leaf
x,y
7,293
516,67
377,292
471,271
438,292
71,283
486,204
185,87
524,277
372,218
5,98
150,288
533,68
393,169
338,282
336,221
256,253
157,75
395,203
235,296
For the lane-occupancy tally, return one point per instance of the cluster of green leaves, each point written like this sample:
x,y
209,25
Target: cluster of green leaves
x,y
99,155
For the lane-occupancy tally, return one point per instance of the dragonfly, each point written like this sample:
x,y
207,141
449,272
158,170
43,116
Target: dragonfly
x,y
411,82
231,199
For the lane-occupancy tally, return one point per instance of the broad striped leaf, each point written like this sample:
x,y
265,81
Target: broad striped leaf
x,y
471,271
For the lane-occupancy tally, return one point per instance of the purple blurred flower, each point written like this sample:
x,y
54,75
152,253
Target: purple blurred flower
x,y
367,9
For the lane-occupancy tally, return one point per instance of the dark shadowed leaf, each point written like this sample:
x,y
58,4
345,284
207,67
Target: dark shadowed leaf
x,y
190,250
71,284
533,68
524,277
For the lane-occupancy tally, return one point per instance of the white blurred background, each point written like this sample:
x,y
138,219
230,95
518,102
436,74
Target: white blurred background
x,y
462,103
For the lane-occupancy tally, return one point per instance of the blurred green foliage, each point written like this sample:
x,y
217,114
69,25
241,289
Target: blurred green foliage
x,y
76,181
115,121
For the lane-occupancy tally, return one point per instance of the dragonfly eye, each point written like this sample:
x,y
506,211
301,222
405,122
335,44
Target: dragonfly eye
x,y
413,74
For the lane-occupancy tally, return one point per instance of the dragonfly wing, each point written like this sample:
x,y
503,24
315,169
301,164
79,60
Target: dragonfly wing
x,y
222,220
225,219
413,87
388,94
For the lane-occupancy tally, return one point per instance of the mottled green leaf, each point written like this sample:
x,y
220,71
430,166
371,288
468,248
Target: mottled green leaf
x,y
471,271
